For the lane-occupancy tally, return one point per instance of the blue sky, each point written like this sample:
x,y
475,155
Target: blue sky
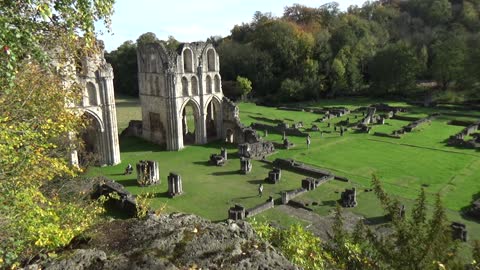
x,y
189,20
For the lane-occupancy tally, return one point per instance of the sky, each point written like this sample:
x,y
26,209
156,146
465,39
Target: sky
x,y
191,20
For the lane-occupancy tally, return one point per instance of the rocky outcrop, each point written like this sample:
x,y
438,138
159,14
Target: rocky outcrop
x,y
175,241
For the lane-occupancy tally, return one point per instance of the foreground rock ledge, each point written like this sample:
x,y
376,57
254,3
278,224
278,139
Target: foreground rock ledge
x,y
175,241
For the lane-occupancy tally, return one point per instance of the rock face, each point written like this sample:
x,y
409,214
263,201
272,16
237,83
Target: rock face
x,y
175,241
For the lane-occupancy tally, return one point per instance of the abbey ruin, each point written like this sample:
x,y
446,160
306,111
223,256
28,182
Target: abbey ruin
x,y
170,81
95,76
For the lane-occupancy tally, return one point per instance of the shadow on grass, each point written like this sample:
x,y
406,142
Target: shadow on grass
x,y
117,174
134,144
376,220
256,182
466,209
331,203
204,163
225,173
128,182
264,119
162,195
243,198
266,166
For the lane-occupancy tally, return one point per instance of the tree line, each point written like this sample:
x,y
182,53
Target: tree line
x,y
415,48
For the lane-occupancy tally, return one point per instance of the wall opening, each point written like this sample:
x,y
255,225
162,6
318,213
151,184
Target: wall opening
x,y
88,150
229,136
194,86
211,60
209,84
190,116
187,61
185,87
217,84
92,95
212,122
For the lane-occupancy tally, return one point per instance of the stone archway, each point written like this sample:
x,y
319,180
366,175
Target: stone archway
x,y
229,136
191,126
213,121
90,149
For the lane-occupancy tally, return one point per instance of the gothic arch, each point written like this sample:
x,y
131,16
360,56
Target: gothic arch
x,y
91,151
211,59
187,136
187,61
208,82
194,84
97,118
213,120
216,83
185,87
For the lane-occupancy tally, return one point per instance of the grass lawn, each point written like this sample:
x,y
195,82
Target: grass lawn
x,y
419,159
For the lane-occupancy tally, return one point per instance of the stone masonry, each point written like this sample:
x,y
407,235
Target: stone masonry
x,y
98,104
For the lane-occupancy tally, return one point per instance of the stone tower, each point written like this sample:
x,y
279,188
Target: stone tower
x,y
171,80
95,76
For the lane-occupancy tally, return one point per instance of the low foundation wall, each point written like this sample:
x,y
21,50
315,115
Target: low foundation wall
x,y
279,130
292,165
260,208
288,195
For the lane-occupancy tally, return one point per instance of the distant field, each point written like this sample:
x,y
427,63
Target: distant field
x,y
128,108
419,159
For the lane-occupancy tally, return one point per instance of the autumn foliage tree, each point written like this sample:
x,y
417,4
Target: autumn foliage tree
x,y
40,42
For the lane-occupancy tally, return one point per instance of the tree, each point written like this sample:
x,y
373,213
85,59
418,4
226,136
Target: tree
x,y
394,69
34,28
416,242
448,59
291,90
244,60
146,38
125,70
287,44
434,12
42,41
245,85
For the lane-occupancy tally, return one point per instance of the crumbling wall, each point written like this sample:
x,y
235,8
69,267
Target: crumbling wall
x,y
260,208
233,130
289,195
256,150
280,129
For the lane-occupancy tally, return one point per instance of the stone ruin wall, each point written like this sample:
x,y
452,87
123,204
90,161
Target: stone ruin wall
x,y
95,76
170,80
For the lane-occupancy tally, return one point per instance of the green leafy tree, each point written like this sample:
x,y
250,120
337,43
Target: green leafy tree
x,y
125,70
41,43
245,85
417,242
146,38
291,90
394,69
33,28
432,11
244,60
448,59
298,245
287,45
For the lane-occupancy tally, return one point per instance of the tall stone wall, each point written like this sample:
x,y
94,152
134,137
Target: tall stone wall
x,y
170,80
98,104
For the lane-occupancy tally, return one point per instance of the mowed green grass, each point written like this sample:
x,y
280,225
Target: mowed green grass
x,y
419,159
